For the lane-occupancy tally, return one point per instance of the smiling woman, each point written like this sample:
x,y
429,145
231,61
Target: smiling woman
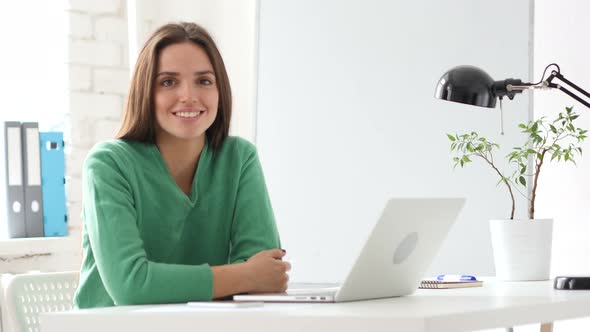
x,y
174,209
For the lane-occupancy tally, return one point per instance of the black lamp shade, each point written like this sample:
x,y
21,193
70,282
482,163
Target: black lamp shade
x,y
467,85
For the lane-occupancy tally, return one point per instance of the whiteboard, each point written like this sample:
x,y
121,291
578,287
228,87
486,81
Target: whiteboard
x,y
346,119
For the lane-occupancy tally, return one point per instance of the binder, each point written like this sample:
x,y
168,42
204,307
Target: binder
x,y
53,184
32,179
14,180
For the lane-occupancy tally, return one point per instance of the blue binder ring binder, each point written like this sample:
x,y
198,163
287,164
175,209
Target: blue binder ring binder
x,y
53,184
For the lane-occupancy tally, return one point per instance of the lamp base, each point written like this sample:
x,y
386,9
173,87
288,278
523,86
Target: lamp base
x,y
572,282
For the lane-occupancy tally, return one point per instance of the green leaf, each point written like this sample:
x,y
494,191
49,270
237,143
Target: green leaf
x,y
451,137
522,170
553,129
522,180
522,125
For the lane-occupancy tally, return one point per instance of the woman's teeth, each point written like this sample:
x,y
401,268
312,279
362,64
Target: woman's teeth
x,y
188,114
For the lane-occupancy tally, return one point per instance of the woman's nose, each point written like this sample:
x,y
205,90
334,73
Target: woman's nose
x,y
188,93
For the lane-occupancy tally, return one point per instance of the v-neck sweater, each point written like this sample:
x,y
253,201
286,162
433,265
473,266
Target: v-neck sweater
x,y
145,241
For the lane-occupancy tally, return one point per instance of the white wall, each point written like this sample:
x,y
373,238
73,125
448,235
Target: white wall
x,y
561,36
347,118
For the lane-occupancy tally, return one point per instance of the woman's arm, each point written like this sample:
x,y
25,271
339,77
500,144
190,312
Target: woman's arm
x,y
264,272
253,226
254,235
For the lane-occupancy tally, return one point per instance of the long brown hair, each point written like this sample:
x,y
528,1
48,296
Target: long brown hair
x,y
139,118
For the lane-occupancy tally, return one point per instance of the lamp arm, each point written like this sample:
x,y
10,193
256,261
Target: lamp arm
x,y
515,87
558,75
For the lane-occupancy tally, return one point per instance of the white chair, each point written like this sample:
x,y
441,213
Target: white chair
x,y
28,295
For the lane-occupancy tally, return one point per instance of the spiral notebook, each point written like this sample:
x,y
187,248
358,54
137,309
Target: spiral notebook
x,y
434,284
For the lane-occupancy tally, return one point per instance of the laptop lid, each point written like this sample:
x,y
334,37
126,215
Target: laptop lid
x,y
399,249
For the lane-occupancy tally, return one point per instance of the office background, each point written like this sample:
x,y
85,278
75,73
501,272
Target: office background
x,y
511,39
347,118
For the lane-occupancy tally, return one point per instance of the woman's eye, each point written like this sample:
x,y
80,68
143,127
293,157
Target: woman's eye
x,y
167,83
205,81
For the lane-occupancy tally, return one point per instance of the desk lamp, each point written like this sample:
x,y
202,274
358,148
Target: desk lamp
x,y
473,86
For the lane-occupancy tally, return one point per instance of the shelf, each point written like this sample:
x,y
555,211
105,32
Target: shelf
x,y
38,245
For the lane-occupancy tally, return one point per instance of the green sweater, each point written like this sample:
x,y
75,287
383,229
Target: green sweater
x,y
146,241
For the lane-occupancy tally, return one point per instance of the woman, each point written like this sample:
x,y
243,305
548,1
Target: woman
x,y
174,209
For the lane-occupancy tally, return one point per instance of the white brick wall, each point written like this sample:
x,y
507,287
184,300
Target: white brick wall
x,y
112,29
99,76
80,77
80,26
96,53
96,7
107,80
96,104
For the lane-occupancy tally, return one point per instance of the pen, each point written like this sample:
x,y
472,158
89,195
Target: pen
x,y
455,277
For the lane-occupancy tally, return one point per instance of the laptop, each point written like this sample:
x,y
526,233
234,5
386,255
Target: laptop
x,y
400,248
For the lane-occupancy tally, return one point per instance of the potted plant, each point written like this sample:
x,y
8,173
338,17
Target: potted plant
x,y
522,248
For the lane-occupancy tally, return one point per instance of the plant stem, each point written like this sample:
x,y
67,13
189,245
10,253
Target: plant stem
x,y
505,182
535,184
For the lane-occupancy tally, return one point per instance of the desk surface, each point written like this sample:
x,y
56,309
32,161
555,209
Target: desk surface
x,y
497,304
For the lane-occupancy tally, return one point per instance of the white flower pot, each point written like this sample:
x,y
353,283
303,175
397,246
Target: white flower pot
x,y
522,248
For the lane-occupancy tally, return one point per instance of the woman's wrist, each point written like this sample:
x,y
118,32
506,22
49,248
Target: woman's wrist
x,y
245,278
231,279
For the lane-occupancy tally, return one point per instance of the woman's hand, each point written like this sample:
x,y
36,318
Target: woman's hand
x,y
267,273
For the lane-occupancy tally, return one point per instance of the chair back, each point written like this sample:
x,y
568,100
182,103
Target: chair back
x,y
28,295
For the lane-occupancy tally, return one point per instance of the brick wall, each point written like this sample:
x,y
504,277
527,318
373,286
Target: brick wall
x,y
99,75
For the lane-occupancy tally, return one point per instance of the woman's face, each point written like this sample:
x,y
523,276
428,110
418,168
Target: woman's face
x,y
185,93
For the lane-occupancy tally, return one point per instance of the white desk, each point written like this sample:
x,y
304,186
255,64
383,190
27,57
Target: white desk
x,y
492,306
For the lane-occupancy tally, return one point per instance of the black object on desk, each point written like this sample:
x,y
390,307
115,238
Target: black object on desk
x,y
572,282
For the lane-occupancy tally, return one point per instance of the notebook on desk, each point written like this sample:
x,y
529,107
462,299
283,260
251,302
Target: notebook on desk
x,y
439,284
394,258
